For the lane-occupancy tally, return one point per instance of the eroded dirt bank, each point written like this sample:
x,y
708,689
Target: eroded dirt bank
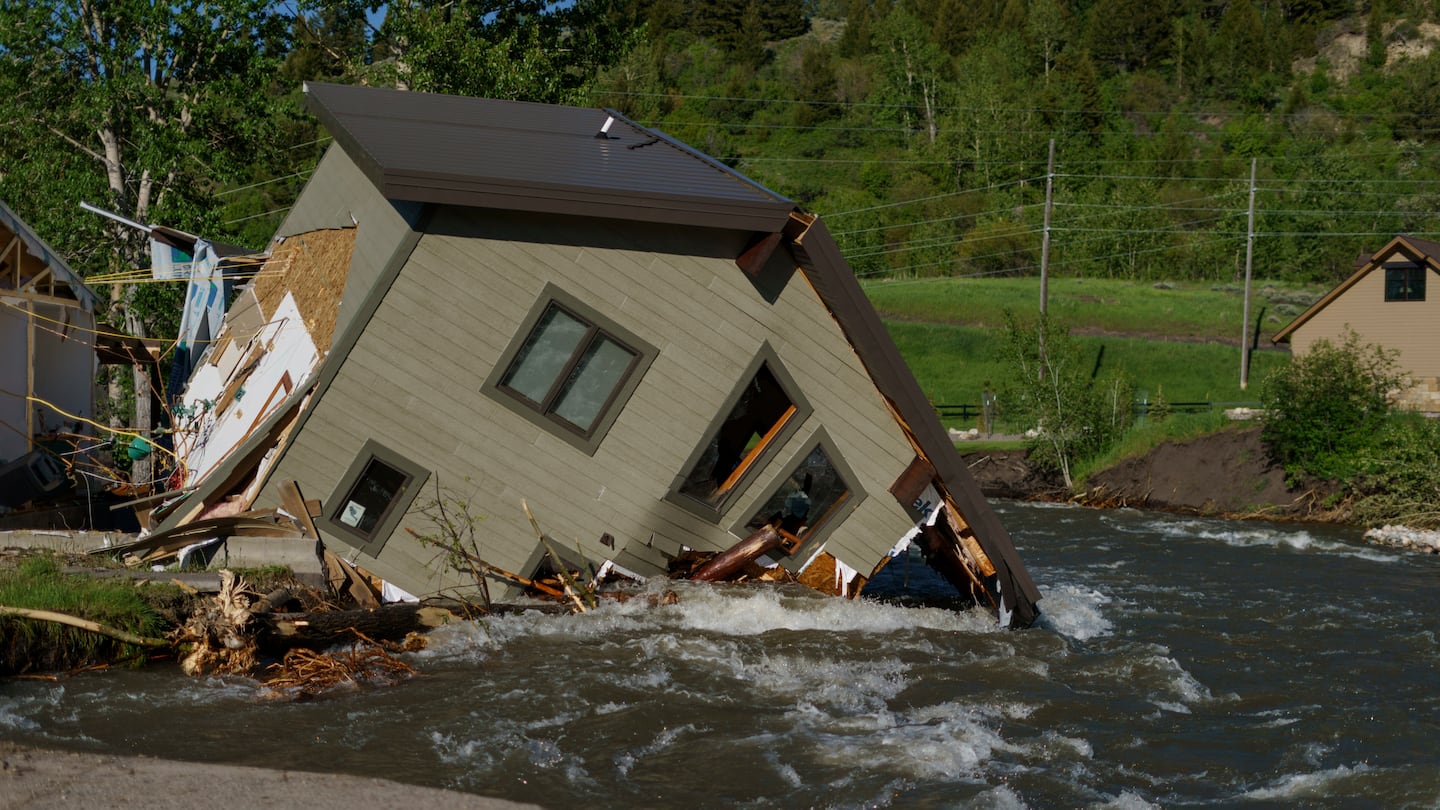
x,y
1226,473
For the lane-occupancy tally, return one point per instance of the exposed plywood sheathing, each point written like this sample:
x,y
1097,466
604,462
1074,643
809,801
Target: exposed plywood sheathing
x,y
313,268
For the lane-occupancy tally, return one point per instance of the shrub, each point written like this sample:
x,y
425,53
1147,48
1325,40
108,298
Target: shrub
x,y
1324,411
1078,414
1400,479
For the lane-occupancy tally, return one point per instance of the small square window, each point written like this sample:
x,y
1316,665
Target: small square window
x,y
571,371
1404,282
377,488
372,497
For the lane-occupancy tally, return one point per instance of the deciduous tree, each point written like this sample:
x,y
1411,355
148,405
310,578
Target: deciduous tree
x,y
160,99
1076,412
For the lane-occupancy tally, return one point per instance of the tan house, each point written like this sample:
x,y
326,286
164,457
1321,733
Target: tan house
x,y
558,307
1392,300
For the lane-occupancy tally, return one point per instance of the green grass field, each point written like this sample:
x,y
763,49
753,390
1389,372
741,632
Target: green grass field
x,y
949,333
1174,312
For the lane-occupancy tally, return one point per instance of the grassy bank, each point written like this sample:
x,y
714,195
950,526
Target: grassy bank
x,y
1165,340
28,645
1166,311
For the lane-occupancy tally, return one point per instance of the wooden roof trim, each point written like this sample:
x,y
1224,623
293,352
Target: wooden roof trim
x,y
1376,260
830,276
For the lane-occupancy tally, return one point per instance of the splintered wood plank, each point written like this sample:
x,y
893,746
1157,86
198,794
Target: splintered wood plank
x,y
294,503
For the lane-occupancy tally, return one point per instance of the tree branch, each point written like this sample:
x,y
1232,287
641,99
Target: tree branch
x,y
83,624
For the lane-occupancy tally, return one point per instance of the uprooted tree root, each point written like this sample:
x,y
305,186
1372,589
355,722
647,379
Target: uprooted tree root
x,y
304,673
221,637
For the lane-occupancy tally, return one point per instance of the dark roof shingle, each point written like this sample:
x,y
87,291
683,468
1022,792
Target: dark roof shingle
x,y
480,152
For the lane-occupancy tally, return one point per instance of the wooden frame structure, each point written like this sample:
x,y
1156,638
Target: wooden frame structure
x,y
46,305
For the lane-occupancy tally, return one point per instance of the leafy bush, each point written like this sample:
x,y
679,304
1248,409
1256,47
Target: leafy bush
x,y
1078,413
1324,411
1400,478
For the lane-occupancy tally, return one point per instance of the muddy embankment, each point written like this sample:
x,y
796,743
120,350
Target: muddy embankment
x,y
1226,473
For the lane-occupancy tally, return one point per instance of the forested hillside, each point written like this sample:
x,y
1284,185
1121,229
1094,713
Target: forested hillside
x,y
920,129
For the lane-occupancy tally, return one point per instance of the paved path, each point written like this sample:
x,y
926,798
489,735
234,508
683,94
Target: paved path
x,y
38,779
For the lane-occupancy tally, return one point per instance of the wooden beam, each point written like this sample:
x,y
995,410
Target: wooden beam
x,y
15,264
159,496
758,252
41,298
733,560
294,503
33,280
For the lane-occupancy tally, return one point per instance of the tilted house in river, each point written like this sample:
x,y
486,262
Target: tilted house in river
x,y
1390,300
556,306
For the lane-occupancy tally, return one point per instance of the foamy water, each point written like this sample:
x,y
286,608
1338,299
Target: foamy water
x,y
1178,661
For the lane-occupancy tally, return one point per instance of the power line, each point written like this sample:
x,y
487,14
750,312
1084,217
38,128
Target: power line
x,y
1124,114
930,198
264,183
257,216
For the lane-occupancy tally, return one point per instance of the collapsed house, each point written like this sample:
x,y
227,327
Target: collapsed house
x,y
555,311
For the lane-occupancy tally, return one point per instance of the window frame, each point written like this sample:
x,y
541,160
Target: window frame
x,y
754,462
1416,273
375,541
820,531
543,413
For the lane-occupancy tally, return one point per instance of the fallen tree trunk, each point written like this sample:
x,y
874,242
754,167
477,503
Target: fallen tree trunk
x,y
730,562
323,629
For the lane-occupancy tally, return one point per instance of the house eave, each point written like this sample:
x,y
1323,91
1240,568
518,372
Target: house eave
x,y
1376,260
662,209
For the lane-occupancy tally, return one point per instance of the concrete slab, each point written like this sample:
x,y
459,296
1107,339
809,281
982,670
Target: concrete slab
x,y
53,540
302,556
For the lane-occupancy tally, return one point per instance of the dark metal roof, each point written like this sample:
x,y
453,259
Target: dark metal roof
x,y
517,155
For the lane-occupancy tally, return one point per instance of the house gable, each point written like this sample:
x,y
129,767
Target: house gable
x,y
47,329
1382,303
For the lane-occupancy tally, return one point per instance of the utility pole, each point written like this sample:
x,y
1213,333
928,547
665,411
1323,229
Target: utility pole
x,y
1045,235
1249,259
1045,253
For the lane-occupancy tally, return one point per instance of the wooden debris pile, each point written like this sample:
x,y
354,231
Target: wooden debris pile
x,y
305,673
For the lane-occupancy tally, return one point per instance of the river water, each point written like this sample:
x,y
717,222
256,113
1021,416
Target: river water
x,y
1179,661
